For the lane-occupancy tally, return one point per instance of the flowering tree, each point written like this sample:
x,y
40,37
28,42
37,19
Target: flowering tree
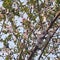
x,y
32,26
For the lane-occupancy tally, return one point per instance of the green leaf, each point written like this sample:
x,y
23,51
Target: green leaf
x,y
7,4
32,2
26,24
48,58
57,1
5,42
6,58
4,31
9,37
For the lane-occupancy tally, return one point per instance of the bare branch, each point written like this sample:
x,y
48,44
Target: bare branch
x,y
47,42
36,47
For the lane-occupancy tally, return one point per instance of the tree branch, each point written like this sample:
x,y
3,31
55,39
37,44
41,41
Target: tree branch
x,y
36,47
32,53
47,42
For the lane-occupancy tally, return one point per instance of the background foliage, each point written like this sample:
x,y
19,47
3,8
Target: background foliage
x,y
33,17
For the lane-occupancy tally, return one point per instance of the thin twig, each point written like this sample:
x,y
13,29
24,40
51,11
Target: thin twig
x,y
47,42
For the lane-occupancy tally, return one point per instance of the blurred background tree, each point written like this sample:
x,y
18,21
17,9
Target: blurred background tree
x,y
22,21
